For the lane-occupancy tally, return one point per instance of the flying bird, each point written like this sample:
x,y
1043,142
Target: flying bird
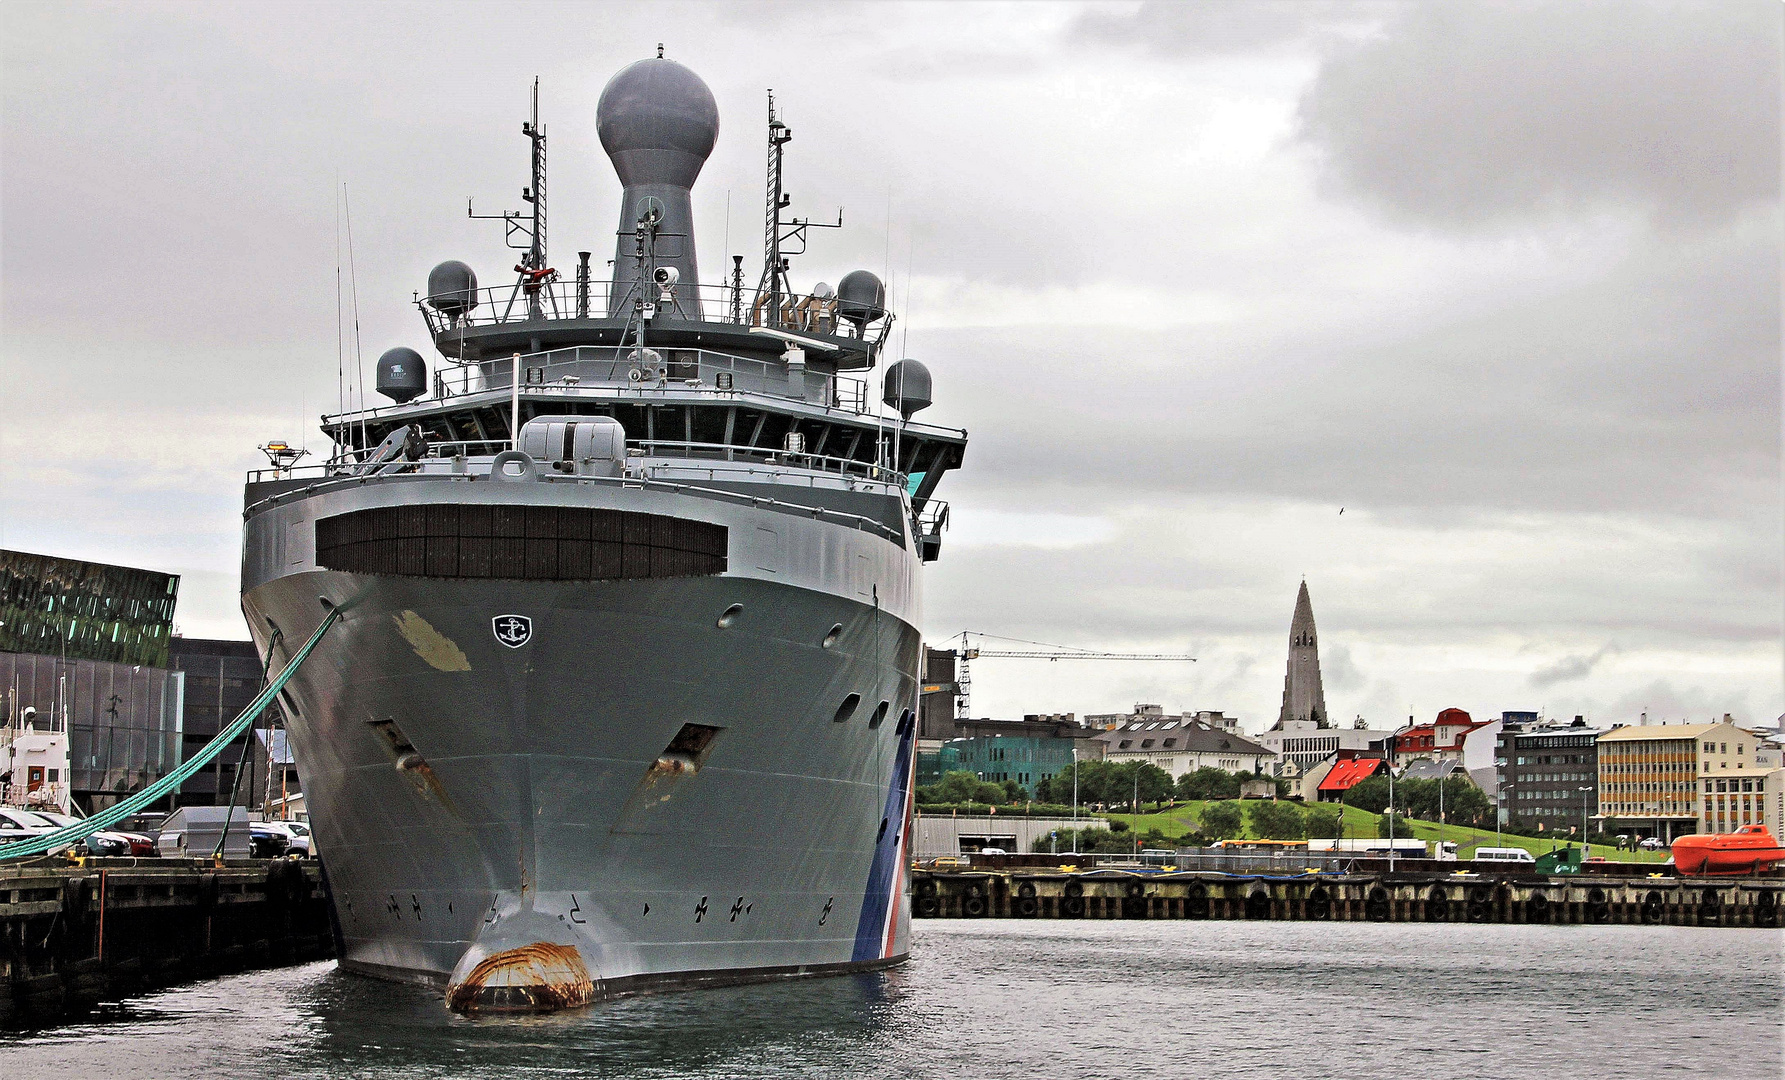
x,y
1341,509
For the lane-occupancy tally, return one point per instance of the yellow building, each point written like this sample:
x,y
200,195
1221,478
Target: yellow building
x,y
1650,776
1742,797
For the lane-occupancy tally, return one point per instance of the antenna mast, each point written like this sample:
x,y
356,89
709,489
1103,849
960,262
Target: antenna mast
x,y
774,267
535,132
523,235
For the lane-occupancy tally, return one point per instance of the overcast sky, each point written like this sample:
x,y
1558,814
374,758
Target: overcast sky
x,y
1500,280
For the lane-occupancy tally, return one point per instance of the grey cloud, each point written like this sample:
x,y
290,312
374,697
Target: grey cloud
x,y
1653,389
1337,670
1470,114
1569,668
1664,699
1221,27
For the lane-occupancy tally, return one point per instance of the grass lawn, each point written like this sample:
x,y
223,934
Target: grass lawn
x,y
1178,820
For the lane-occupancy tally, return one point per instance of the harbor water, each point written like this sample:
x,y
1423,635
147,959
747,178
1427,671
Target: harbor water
x,y
1011,998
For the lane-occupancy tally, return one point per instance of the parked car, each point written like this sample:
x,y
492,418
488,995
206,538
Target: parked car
x,y
1650,843
1504,854
18,824
111,842
297,837
266,840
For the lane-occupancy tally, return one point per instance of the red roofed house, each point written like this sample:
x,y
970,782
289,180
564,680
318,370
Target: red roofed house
x,y
1440,740
1332,778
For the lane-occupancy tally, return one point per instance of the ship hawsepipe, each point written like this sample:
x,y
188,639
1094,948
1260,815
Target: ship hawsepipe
x,y
624,691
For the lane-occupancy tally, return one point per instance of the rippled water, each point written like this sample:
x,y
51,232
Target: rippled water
x,y
1032,999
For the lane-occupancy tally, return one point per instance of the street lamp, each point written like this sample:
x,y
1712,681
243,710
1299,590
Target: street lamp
x,y
1075,800
1585,850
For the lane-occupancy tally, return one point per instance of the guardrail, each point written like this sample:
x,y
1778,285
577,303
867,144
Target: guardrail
x,y
677,370
822,513
713,458
563,298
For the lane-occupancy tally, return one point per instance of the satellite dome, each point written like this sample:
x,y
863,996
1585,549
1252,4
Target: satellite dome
x,y
907,386
861,298
402,373
452,288
658,122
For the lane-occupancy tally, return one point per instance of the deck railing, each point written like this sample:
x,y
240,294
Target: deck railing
x,y
565,298
677,370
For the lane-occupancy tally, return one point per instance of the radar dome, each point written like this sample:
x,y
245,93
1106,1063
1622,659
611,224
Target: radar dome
x,y
658,122
452,288
402,373
861,298
907,387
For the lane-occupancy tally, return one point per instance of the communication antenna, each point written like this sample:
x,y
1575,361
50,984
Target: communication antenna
x,y
779,234
525,231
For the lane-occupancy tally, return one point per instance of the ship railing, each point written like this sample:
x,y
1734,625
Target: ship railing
x,y
745,459
340,476
566,298
678,370
713,458
718,460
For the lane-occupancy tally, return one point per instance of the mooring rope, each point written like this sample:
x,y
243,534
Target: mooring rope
x,y
111,815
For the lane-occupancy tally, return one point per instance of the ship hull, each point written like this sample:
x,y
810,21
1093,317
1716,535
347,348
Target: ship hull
x,y
514,823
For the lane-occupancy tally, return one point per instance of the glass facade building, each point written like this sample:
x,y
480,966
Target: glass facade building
x,y
123,720
85,646
1026,759
85,611
221,678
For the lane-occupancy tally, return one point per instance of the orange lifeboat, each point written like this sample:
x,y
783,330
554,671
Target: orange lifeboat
x,y
1749,850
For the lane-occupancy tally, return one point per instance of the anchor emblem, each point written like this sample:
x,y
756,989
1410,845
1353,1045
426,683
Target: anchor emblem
x,y
512,630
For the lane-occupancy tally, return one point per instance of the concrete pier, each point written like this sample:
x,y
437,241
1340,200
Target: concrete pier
x,y
74,936
1355,897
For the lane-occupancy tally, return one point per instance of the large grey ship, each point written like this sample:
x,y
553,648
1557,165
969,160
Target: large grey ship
x,y
622,693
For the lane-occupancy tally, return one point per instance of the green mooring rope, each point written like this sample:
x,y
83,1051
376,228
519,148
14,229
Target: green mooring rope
x,y
111,815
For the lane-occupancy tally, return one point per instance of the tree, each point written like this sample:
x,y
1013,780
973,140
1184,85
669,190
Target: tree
x,y
1466,804
1221,820
963,787
1401,831
1369,794
1209,782
1275,820
1325,822
1153,785
1013,792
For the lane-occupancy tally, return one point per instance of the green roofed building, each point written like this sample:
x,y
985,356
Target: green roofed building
x,y
85,611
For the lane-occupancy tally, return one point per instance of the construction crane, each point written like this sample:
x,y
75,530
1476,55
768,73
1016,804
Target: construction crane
x,y
968,652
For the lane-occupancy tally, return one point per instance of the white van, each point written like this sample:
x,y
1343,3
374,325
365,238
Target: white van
x,y
1504,854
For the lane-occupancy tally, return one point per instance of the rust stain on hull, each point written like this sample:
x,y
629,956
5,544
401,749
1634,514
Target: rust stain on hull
x,y
541,977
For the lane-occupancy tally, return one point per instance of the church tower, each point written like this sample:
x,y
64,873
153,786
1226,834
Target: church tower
x,y
1303,699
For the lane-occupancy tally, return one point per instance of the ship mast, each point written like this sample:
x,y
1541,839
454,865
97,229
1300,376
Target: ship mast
x,y
533,271
777,235
774,267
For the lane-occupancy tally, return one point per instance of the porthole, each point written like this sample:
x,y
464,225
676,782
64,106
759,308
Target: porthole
x,y
847,709
836,631
730,616
904,722
879,716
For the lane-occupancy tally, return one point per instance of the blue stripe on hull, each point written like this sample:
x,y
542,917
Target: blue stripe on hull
x,y
870,930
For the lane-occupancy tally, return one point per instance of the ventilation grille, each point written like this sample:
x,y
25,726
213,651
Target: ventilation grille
x,y
528,543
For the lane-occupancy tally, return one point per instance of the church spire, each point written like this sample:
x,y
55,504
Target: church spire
x,y
1303,697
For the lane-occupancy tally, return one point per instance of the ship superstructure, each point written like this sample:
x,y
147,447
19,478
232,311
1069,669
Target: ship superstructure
x,y
623,691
